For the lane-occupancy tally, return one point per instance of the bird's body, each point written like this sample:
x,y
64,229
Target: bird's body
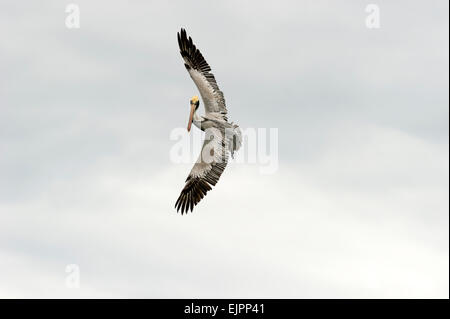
x,y
221,136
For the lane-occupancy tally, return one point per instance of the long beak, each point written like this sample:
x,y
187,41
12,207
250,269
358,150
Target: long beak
x,y
191,115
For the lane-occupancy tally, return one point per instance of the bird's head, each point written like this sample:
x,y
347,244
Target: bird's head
x,y
195,102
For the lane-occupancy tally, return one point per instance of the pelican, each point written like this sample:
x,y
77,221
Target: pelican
x,y
221,137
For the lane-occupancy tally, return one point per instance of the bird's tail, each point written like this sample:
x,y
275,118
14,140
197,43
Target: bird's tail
x,y
234,136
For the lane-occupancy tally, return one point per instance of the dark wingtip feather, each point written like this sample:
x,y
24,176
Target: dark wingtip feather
x,y
193,56
194,190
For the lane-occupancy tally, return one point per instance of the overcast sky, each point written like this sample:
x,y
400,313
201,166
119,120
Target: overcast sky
x,y
358,207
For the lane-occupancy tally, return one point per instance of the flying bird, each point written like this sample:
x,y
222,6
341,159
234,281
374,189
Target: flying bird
x,y
221,137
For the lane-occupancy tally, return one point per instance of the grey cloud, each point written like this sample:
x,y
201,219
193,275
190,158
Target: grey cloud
x,y
358,208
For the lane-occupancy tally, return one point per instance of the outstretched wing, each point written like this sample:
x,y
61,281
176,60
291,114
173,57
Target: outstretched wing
x,y
206,171
199,71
